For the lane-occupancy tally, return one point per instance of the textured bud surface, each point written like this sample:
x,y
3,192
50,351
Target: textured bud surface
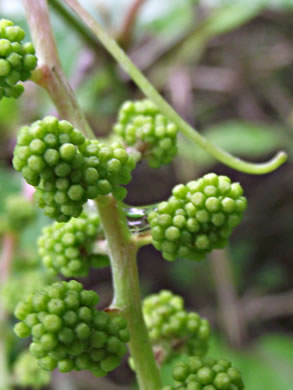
x,y
66,247
198,217
69,332
17,60
113,165
29,373
141,124
66,169
174,329
206,374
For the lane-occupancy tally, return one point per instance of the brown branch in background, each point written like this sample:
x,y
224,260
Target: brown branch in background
x,y
216,79
180,89
125,36
259,308
229,311
180,95
9,241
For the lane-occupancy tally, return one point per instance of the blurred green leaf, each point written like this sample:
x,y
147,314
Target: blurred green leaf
x,y
240,138
169,23
233,14
279,346
102,93
10,183
263,366
9,112
32,232
271,276
221,20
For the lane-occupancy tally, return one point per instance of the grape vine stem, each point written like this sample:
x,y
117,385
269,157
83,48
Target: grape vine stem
x,y
148,89
121,247
122,251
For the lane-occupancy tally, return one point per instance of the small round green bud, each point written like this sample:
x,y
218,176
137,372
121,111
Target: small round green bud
x,y
52,323
22,330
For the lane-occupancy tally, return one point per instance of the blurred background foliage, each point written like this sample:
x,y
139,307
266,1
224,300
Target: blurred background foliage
x,y
226,67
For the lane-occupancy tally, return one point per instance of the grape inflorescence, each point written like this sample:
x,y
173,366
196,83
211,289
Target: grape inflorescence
x,y
66,169
69,332
198,217
140,124
206,374
172,328
67,247
19,212
28,373
17,60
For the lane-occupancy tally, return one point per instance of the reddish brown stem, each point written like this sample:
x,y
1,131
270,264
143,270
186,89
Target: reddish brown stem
x,y
9,241
231,316
49,74
126,32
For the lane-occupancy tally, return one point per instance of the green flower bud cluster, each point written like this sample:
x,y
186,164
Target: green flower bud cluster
x,y
113,164
67,169
66,247
69,332
172,329
141,124
19,212
198,217
29,280
17,60
206,374
28,373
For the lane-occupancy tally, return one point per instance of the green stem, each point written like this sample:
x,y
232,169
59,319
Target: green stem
x,y
148,89
127,298
85,34
121,247
50,74
142,239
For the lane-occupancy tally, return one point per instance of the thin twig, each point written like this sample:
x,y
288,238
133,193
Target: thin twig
x,y
9,241
193,135
229,309
126,33
260,308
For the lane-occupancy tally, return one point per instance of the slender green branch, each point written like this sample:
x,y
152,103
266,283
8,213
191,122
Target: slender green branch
x,y
122,252
84,32
142,239
220,154
50,74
